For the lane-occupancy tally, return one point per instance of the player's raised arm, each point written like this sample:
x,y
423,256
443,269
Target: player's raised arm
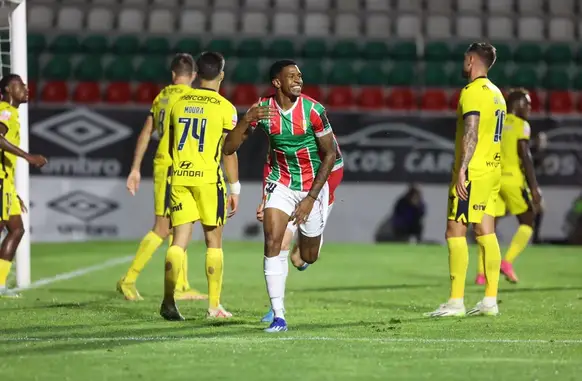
x,y
240,133
36,160
143,140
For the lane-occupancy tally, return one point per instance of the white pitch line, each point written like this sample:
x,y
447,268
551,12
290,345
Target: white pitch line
x,y
76,273
258,340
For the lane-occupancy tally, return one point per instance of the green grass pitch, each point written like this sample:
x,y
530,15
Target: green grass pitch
x,y
355,315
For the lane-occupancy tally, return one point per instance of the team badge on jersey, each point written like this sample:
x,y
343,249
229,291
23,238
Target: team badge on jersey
x,y
5,115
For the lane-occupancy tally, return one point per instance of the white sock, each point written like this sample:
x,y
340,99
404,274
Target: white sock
x,y
456,302
275,284
490,301
284,257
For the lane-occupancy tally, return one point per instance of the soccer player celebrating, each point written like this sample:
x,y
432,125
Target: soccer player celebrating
x,y
198,122
519,192
183,74
14,93
302,154
476,181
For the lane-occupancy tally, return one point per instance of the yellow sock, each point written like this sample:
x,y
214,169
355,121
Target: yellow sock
x,y
492,254
182,284
480,261
458,263
4,271
174,259
147,247
214,259
519,242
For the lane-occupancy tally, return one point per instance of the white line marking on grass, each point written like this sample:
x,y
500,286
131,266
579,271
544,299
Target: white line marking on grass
x,y
75,274
267,339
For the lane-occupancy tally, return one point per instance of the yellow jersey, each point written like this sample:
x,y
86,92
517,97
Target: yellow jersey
x,y
160,111
197,124
481,97
514,130
9,117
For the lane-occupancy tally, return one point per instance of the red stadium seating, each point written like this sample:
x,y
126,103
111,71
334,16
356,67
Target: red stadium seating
x,y
371,98
31,90
536,104
561,102
118,93
55,92
223,91
313,91
434,100
244,95
401,99
340,97
454,100
87,92
145,93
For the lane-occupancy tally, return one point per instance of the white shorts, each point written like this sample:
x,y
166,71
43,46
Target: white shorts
x,y
293,228
282,198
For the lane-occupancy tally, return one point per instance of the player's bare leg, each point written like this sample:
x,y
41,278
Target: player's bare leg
x,y
15,229
174,260
214,270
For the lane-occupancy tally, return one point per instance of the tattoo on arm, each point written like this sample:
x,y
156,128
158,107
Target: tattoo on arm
x,y
327,147
527,163
470,139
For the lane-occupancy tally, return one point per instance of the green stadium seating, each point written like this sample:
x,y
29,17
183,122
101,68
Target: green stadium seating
x,y
36,43
375,50
403,51
455,76
33,67
281,48
153,69
342,73
371,74
250,48
435,75
401,74
556,78
222,46
188,45
5,64
156,46
525,76
528,53
58,68
314,48
119,69
126,45
246,71
504,52
95,44
89,69
577,80
345,49
65,44
437,51
558,54
498,75
312,72
458,51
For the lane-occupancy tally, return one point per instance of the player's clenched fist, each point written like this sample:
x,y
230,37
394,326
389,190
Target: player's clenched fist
x,y
36,160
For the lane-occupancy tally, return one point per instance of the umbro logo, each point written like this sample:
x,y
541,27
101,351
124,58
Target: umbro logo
x,y
83,205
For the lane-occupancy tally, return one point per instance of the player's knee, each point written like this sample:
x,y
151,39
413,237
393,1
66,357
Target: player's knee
x,y
527,218
17,231
162,227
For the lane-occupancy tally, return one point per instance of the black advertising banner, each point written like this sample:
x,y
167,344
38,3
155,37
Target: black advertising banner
x,y
82,142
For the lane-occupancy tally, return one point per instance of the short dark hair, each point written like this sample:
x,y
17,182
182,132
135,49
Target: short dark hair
x,y
5,82
278,66
183,64
210,65
485,51
516,95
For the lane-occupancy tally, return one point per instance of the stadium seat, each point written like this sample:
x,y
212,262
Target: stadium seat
x,y
317,5
340,97
87,92
244,95
281,48
454,100
312,72
70,19
118,93
314,48
536,103
377,5
57,69
156,46
437,51
95,44
561,8
561,29
371,98
498,74
256,4
285,24
31,89
222,4
469,27
126,45
192,21
254,23
250,48
345,49
222,46
558,54
342,73
64,44
36,43
146,92
347,5
407,26
130,20
500,27
195,3
347,25
455,77
576,82
528,7
375,50
470,6
188,45
499,6
246,71
223,23
556,79
55,92
153,70
438,26
504,52
403,51
435,75
312,91
40,17
377,26
289,5
401,74
525,76
434,100
439,6
33,67
408,5
161,21
371,74
138,3
120,69
88,69
560,102
528,53
401,99
316,24
100,20
530,29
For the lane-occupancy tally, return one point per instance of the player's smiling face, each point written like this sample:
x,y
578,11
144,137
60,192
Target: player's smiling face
x,y
291,80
